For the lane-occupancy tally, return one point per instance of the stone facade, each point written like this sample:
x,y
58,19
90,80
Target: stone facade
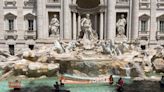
x,y
25,23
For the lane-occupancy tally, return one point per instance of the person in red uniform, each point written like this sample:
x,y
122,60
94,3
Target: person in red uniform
x,y
111,80
120,84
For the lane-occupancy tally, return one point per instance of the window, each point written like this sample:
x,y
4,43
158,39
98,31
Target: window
x,y
161,26
11,49
143,25
31,47
11,24
143,47
30,25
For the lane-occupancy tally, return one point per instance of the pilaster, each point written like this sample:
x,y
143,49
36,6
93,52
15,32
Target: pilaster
x,y
20,19
74,26
1,20
111,23
101,26
42,34
67,20
135,20
153,22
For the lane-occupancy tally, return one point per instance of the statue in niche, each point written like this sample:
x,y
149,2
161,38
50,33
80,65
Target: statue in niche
x,y
121,23
54,26
87,30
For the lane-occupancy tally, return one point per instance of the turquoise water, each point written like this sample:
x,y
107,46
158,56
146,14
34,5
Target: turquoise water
x,y
34,85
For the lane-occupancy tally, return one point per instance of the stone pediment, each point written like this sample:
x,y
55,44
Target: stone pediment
x,y
10,15
144,17
29,16
161,17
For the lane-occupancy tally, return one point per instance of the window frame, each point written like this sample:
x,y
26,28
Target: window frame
x,y
30,24
161,26
10,24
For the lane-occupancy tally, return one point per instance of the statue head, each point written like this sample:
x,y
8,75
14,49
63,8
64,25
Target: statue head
x,y
87,15
122,15
55,15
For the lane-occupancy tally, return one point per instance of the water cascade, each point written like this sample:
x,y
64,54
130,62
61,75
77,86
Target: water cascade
x,y
128,70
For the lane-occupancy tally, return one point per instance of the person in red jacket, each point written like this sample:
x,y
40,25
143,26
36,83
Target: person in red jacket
x,y
120,84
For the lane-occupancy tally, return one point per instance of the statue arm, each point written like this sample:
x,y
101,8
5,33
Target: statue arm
x,y
125,21
117,24
58,23
82,21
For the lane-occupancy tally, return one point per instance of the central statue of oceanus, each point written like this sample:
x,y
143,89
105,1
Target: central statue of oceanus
x,y
87,31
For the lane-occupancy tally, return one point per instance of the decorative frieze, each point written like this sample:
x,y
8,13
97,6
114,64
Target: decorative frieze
x,y
53,4
10,3
144,4
122,4
160,4
53,1
29,3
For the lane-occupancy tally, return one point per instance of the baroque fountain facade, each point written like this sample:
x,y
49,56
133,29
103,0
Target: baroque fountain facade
x,y
86,57
93,51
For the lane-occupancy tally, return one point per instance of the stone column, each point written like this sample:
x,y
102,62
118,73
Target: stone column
x,y
153,22
101,26
61,20
130,20
2,31
67,20
79,25
95,22
111,20
20,20
135,12
74,26
45,19
40,19
61,25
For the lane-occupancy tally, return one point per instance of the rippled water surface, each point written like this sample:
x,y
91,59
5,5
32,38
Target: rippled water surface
x,y
46,85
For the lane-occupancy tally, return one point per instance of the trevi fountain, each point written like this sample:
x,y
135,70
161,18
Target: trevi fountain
x,y
85,57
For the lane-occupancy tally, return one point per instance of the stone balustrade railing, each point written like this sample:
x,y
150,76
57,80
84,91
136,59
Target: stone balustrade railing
x,y
11,34
30,34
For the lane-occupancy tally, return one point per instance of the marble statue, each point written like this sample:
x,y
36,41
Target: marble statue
x,y
58,47
106,46
121,23
54,26
87,30
70,47
111,49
